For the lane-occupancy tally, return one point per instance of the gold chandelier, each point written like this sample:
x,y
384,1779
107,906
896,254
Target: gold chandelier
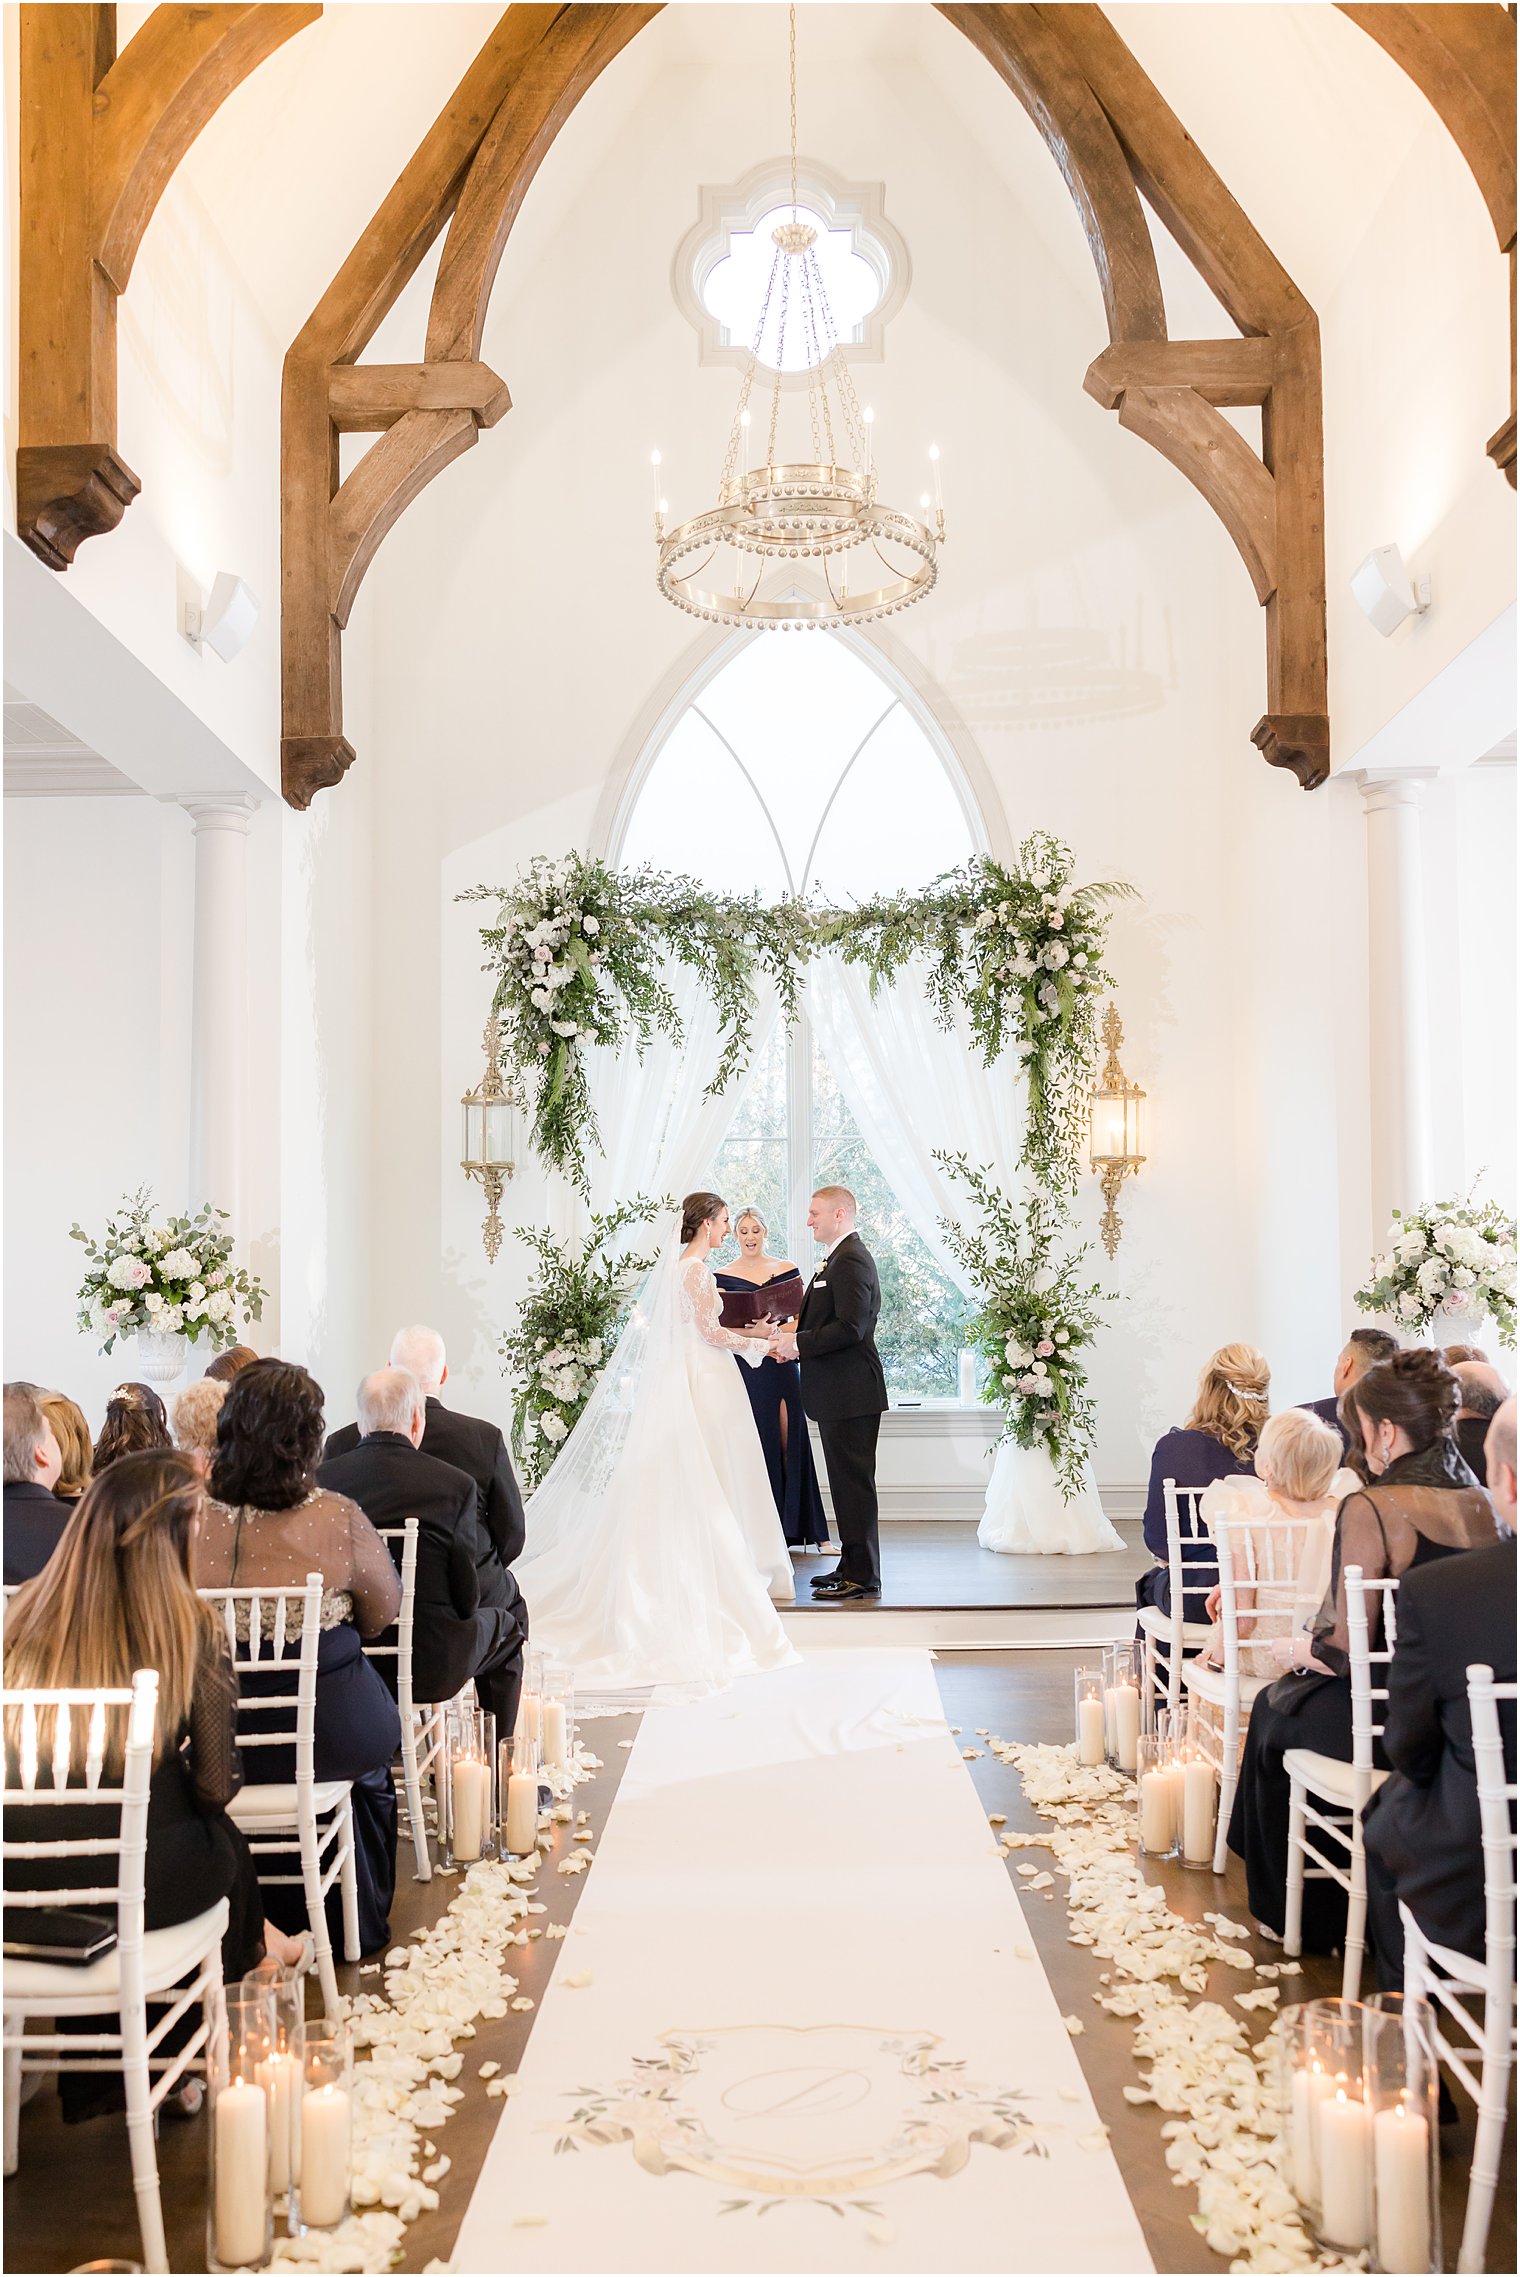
x,y
872,558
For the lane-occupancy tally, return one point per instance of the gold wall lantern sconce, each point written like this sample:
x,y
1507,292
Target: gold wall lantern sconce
x,y
1116,1148
490,1135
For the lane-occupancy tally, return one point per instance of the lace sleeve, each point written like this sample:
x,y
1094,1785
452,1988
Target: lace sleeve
x,y
374,1584
211,1756
704,1308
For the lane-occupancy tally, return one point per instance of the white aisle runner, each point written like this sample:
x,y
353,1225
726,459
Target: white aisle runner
x,y
816,2035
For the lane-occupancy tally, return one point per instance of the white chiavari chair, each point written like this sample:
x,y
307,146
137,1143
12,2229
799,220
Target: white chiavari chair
x,y
1170,1632
144,1965
421,1726
1259,1562
1484,2055
1330,1795
312,1816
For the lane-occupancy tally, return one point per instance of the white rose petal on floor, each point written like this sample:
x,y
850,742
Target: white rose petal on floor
x,y
776,2063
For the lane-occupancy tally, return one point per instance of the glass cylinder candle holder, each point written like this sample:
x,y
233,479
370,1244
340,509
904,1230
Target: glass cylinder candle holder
x,y
280,2072
239,2200
1123,1672
1158,1818
320,2195
557,1719
1401,2089
1091,1712
472,1780
1326,2120
1197,1797
517,1794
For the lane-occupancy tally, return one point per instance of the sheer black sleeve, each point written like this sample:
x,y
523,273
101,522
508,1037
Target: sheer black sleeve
x,y
210,1753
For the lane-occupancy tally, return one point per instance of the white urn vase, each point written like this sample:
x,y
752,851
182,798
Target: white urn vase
x,y
161,1356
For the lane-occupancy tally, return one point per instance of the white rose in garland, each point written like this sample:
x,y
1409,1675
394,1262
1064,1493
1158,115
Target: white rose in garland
x,y
1445,1261
152,1273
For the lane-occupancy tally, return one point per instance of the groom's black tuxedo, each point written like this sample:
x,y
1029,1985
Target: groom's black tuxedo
x,y
845,1393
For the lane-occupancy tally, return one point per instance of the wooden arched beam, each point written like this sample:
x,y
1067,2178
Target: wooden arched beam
x,y
1114,138
1462,59
475,165
100,138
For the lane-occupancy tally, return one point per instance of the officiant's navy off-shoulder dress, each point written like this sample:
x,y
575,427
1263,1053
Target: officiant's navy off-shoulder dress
x,y
774,1388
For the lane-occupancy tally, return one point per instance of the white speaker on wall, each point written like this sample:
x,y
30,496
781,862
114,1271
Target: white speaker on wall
x,y
1385,593
227,620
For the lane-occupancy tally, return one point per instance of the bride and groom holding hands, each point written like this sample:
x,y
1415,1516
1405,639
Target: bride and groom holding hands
x,y
655,1555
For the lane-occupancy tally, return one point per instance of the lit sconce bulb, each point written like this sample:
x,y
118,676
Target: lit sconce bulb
x,y
663,505
939,495
744,418
925,501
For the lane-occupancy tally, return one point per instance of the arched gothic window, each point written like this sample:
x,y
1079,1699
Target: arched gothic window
x,y
798,764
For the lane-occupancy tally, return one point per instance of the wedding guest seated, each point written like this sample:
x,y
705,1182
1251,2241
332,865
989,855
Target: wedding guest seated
x,y
1453,1353
1362,1350
194,1420
117,1595
1217,1441
72,1432
230,1363
269,1525
1484,1392
34,1517
135,1424
1421,1504
1298,1476
470,1444
1423,1836
464,1623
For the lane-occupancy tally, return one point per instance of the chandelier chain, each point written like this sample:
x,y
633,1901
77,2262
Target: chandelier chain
x,y
792,63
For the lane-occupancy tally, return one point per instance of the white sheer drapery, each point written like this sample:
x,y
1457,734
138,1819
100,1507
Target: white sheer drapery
x,y
915,1087
660,1132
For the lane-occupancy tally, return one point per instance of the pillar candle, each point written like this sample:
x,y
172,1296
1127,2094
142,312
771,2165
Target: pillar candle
x,y
522,1812
1127,1727
1198,1812
278,2078
1311,2084
528,1716
325,2127
1401,2167
1090,1743
1176,1782
471,1783
1155,1812
242,2175
556,1735
1343,2171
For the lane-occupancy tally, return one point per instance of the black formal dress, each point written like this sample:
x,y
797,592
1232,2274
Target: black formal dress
x,y
845,1392
1328,1411
1190,1458
775,1389
195,1854
1423,1836
457,1632
1426,1506
1472,1439
34,1523
357,1728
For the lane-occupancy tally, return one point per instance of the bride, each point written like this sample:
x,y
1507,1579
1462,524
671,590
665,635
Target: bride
x,y
654,1549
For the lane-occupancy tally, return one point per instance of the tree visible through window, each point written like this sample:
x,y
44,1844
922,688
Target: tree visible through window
x,y
798,765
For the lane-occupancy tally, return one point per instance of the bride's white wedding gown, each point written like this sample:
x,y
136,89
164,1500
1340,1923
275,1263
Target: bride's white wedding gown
x,y
654,1550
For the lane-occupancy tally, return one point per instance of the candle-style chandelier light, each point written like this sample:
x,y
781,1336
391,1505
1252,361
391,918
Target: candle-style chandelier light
x,y
823,510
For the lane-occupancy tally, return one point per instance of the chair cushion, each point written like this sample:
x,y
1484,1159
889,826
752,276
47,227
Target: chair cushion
x,y
168,1955
265,1807
1326,1775
1209,1684
1158,1624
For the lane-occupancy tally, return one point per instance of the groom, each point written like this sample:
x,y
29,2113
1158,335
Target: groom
x,y
843,1388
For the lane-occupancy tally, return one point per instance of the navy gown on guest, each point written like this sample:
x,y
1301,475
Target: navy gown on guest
x,y
775,1388
1191,1458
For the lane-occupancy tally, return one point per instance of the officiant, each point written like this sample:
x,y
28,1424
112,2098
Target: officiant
x,y
775,1388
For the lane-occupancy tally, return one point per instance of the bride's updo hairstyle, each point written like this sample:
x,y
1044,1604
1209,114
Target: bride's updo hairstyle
x,y
1232,1398
695,1212
1414,1390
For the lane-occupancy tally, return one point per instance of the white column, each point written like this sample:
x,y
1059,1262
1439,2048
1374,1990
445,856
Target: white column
x,y
219,1003
1398,998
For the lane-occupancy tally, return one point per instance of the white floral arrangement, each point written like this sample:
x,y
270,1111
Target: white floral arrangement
x,y
171,1276
1443,1261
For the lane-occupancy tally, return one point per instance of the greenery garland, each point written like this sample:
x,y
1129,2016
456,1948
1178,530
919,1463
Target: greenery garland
x,y
577,1300
579,950
1038,1319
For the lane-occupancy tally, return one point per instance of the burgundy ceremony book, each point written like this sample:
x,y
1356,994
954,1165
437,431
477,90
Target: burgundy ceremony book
x,y
780,1301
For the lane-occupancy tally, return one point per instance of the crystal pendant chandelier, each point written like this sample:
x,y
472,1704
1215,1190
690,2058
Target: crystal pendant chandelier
x,y
871,559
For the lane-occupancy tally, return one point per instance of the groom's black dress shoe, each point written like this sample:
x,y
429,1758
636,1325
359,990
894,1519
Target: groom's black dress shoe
x,y
839,1585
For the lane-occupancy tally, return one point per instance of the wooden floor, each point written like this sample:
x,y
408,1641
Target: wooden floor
x,y
937,1565
72,2201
